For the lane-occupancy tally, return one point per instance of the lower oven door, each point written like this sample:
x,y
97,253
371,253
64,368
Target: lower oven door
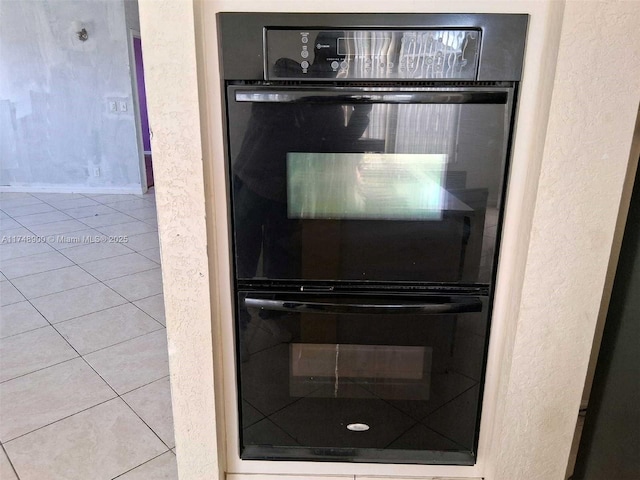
x,y
366,378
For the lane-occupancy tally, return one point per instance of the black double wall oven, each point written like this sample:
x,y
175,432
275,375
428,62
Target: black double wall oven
x,y
367,158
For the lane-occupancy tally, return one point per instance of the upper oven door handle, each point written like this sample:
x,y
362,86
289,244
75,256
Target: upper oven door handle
x,y
343,96
460,305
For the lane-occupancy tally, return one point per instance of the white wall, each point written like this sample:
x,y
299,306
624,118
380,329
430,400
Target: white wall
x,y
131,15
57,130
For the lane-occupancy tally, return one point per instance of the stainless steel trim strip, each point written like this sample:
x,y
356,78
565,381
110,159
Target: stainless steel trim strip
x,y
371,96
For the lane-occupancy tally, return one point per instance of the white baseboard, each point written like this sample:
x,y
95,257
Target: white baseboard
x,y
135,189
257,476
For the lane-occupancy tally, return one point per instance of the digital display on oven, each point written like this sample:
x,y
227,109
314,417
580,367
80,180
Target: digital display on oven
x,y
342,49
387,186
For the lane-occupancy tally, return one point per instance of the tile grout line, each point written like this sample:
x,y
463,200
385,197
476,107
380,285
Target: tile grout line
x,y
56,209
58,250
124,341
136,221
19,301
9,460
134,273
64,291
17,219
161,327
108,286
61,336
13,216
60,419
133,219
35,235
26,331
18,290
50,245
40,369
79,265
53,293
53,325
120,223
45,271
44,202
117,395
81,196
91,313
149,315
142,420
143,463
108,243
146,385
84,244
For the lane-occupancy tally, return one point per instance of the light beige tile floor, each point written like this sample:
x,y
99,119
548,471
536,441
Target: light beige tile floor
x,y
84,385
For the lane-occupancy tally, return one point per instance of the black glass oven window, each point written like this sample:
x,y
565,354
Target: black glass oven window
x,y
391,186
384,192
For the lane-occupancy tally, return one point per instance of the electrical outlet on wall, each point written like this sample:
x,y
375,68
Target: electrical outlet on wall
x,y
113,106
96,171
122,105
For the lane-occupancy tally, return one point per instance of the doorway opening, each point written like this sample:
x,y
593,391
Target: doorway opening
x,y
144,132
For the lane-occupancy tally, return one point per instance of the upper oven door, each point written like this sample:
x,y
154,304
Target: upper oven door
x,y
367,184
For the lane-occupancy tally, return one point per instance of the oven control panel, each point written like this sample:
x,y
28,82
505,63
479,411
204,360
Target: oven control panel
x,y
428,54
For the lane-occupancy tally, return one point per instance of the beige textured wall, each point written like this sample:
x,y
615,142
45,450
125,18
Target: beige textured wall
x,y
593,111
563,202
167,30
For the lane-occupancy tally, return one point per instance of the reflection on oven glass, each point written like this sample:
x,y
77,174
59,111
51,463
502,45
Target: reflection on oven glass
x,y
336,370
366,186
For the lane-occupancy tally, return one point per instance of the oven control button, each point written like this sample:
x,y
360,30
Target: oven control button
x,y
304,64
335,65
305,39
344,65
304,53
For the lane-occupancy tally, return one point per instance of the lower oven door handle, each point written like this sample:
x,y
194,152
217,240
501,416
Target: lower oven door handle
x,y
460,305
